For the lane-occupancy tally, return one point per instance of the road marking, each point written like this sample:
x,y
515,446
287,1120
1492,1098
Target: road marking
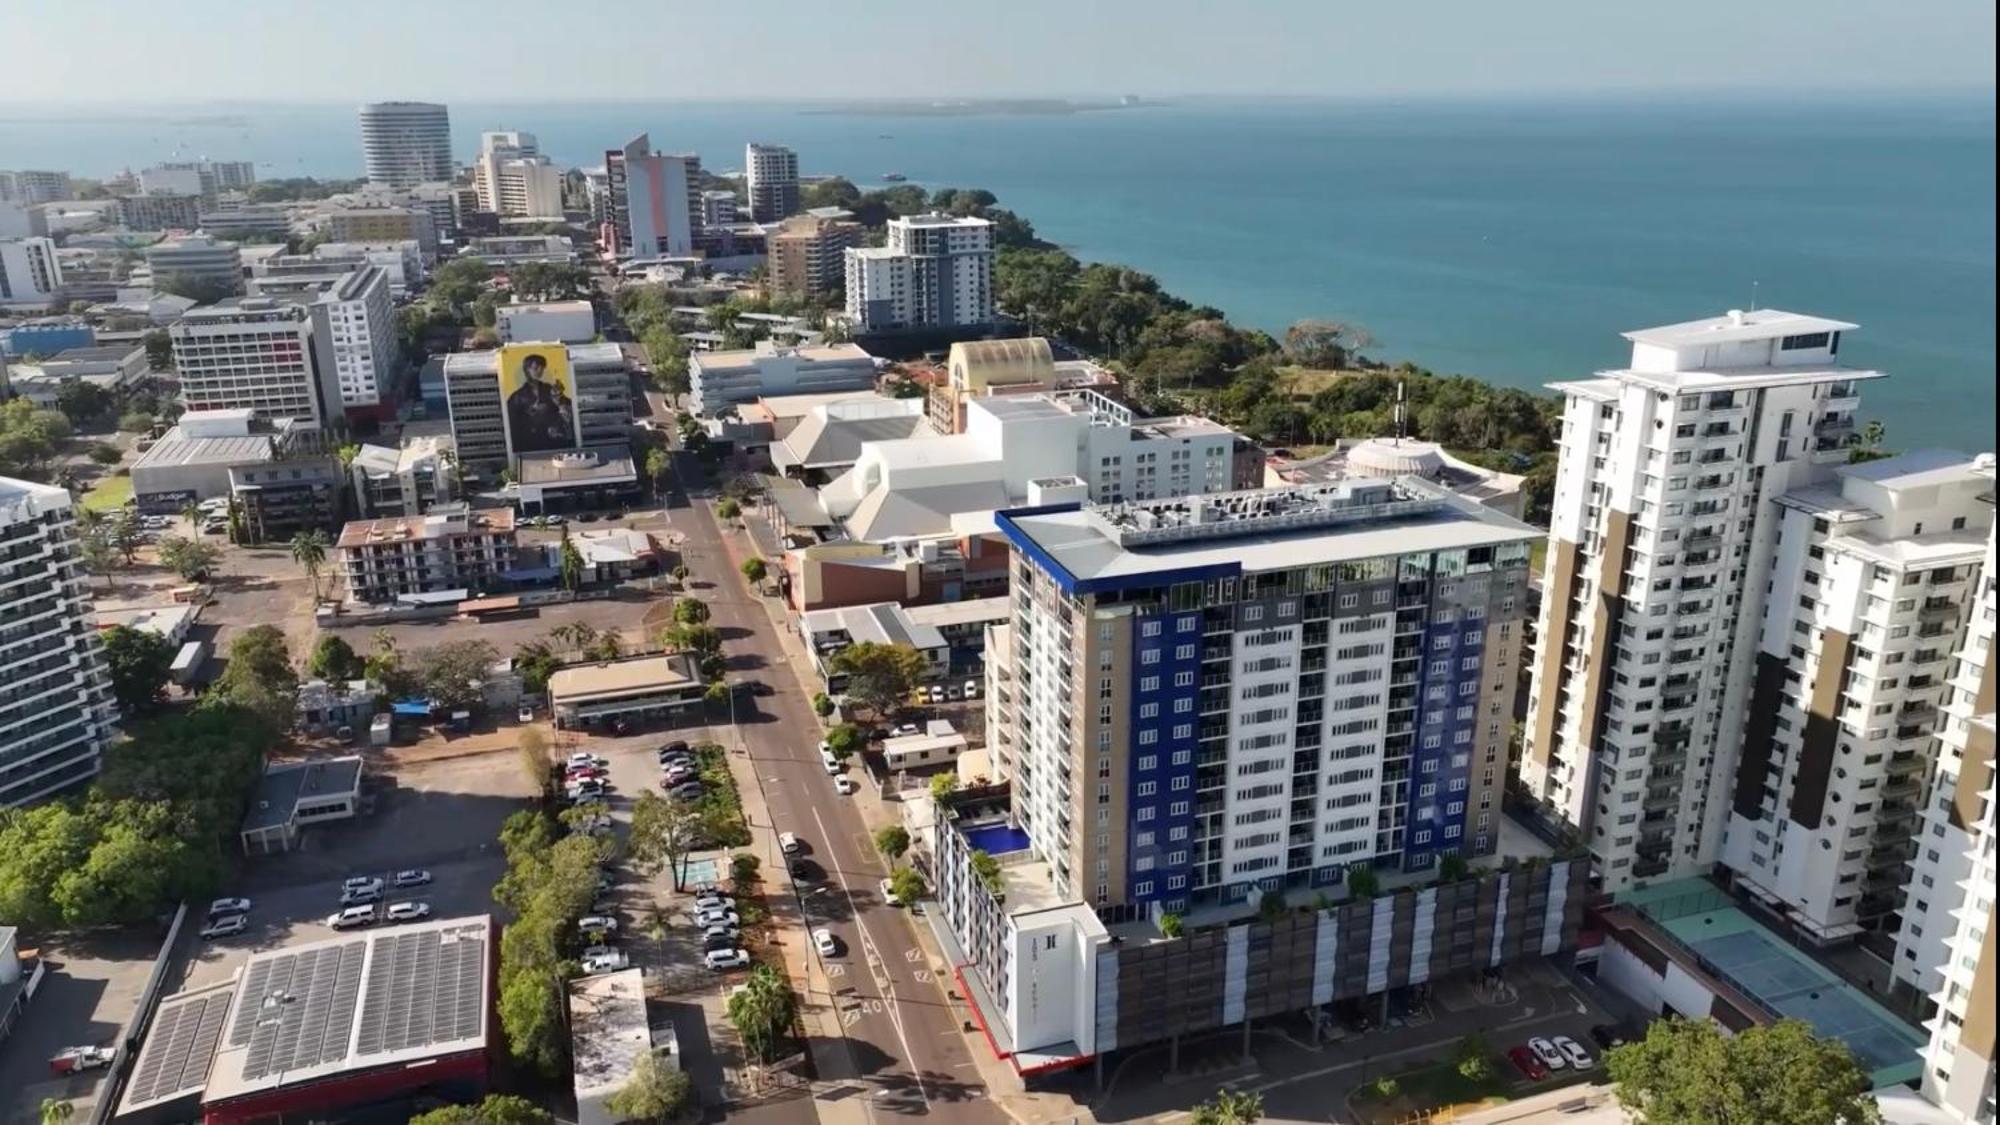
x,y
889,988
921,977
913,955
836,970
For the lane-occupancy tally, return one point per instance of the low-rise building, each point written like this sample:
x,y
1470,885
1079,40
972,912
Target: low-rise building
x,y
247,218
829,439
718,379
514,249
379,224
295,794
46,336
609,1031
196,265
191,461
828,631
326,706
567,322
918,572
451,548
276,500
574,480
170,623
31,274
408,480
115,368
639,689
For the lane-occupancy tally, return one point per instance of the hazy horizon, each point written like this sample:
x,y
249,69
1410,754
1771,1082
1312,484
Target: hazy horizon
x,y
627,50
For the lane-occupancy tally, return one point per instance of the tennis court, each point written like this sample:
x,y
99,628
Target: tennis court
x,y
1786,979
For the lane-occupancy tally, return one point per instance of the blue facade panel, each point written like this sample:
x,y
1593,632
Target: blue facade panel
x,y
1441,763
1165,672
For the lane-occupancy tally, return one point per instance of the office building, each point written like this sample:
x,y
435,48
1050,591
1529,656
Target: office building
x,y
807,256
453,547
404,144
1875,571
57,710
255,353
249,218
772,173
935,273
355,341
568,322
159,212
198,266
1204,697
373,225
514,179
652,201
407,480
1662,543
718,379
177,179
191,461
718,209
280,274
30,273
602,395
34,187
509,250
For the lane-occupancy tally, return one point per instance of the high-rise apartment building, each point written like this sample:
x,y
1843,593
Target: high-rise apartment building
x,y
1872,576
514,179
33,187
1662,542
653,197
30,273
354,333
251,353
772,173
807,255
404,144
935,272
1202,697
57,709
160,211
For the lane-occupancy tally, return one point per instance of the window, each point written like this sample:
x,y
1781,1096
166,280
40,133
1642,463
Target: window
x,y
1804,341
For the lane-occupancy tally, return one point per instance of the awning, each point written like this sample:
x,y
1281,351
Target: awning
x,y
413,708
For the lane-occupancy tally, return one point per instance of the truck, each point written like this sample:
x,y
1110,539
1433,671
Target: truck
x,y
381,729
188,662
73,1060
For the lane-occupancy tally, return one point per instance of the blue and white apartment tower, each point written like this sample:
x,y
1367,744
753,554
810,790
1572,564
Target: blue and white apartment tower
x,y
1193,698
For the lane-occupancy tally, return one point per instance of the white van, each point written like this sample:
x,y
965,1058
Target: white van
x,y
827,759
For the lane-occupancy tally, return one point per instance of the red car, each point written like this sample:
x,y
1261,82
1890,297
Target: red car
x,y
1525,1061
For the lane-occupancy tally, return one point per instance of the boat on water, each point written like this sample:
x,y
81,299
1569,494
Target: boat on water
x,y
894,177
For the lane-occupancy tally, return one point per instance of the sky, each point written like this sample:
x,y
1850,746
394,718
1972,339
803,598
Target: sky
x,y
124,51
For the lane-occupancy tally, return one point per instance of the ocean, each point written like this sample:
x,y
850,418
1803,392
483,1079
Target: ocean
x,y
1511,241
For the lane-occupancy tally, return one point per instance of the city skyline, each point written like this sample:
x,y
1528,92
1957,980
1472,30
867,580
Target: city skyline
x,y
1783,47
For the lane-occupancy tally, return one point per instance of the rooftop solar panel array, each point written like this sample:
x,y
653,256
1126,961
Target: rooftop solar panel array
x,y
179,1047
298,1010
424,987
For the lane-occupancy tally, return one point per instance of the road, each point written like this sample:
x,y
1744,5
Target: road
x,y
901,1041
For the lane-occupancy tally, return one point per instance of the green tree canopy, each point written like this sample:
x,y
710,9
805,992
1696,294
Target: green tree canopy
x,y
494,1109
451,673
845,741
653,1092
763,1011
258,677
892,841
1229,1107
334,659
880,677
1687,1072
139,662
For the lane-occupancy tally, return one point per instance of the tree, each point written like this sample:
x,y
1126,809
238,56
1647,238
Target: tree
x,y
658,467
494,1109
570,563
905,885
536,662
763,1011
533,750
1229,1107
943,785
608,646
189,558
702,640
123,533
845,741
880,677
55,1111
754,571
987,870
1325,343
743,871
892,841
1271,905
529,1016
1475,1061
1687,1072
258,677
1452,867
139,662
80,402
106,454
135,422
334,660
727,508
451,673
309,551
159,349
665,832
690,611
653,1091
1172,926
822,704
1361,881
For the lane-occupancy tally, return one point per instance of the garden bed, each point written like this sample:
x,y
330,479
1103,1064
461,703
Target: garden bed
x,y
720,798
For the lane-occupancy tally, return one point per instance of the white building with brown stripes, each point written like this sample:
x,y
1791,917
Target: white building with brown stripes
x,y
1660,547
1873,578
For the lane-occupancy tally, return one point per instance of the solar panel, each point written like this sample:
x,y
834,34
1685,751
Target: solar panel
x,y
179,1048
303,1012
424,987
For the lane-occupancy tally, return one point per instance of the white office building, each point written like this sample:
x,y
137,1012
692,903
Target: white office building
x,y
57,708
251,353
1874,572
36,186
196,264
514,179
30,272
773,181
1662,542
568,322
717,380
404,144
935,272
354,329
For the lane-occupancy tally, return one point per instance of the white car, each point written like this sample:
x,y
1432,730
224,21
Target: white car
x,y
353,881
409,911
972,689
720,930
715,916
525,714
826,943
601,960
788,843
582,759
1574,1052
597,923
904,730
831,763
229,925
888,890
1546,1051
225,906
843,786
720,959
352,917
361,894
414,877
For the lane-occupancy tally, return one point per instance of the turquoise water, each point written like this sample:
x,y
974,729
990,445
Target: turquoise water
x,y
1512,241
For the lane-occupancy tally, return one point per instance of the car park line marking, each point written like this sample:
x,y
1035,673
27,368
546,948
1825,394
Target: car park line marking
x,y
895,1016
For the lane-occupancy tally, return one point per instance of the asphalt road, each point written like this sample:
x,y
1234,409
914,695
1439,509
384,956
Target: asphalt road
x,y
901,1047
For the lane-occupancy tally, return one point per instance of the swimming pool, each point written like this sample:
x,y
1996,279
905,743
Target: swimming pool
x,y
997,839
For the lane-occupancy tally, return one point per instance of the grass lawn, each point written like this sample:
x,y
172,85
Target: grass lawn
x,y
1305,381
1430,1088
109,494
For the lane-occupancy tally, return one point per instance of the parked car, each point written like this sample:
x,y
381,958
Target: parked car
x,y
825,942
225,906
720,930
597,924
672,748
525,715
904,730
582,759
888,893
1525,1061
1547,1053
1574,1053
843,786
412,877
353,917
685,791
720,959
675,775
788,843
715,916
605,961
972,689
827,760
360,895
707,896
229,925
353,881
409,911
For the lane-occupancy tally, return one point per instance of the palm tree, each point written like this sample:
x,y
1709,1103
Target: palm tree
x,y
309,551
1229,1108
55,1111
